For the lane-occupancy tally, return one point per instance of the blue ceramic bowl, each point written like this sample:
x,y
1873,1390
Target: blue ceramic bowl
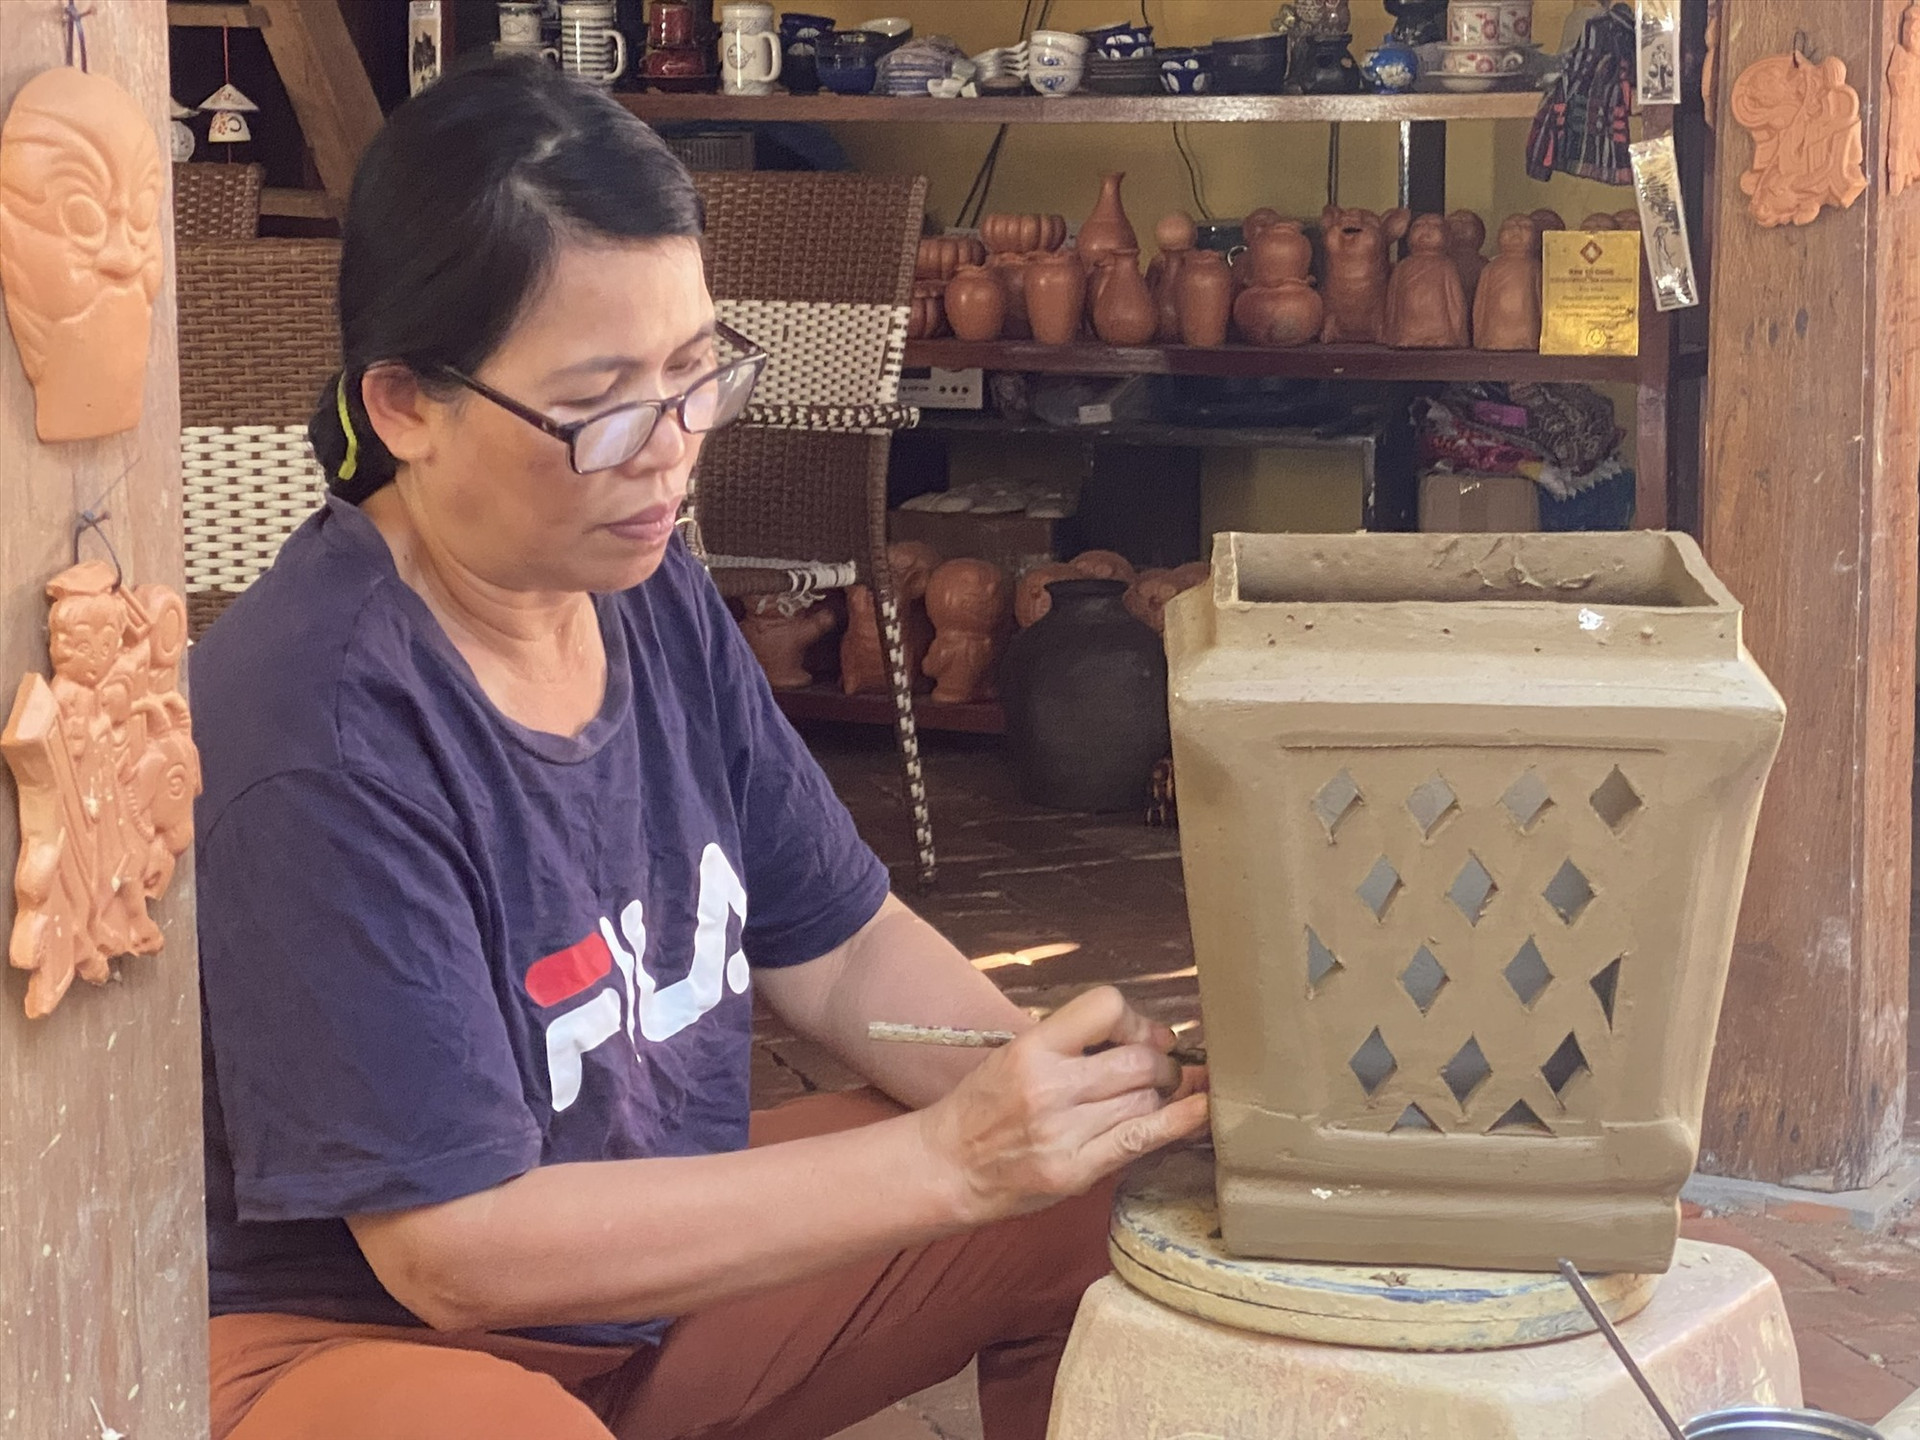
x,y
1121,42
1186,72
845,77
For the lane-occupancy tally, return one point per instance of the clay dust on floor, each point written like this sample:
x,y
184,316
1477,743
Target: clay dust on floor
x,y
1048,904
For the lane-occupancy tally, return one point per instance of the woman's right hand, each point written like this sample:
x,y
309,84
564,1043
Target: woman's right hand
x,y
1041,1119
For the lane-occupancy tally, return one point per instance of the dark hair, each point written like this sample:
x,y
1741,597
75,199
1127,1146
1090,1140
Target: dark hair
x,y
457,209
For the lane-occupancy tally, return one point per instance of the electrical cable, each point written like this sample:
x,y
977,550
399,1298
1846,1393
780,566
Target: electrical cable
x,y
1193,173
975,200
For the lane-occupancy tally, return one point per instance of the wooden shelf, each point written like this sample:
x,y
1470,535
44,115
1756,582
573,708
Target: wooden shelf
x,y
826,108
825,702
1303,362
1230,437
211,16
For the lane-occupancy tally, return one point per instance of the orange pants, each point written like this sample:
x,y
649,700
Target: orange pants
x,y
801,1361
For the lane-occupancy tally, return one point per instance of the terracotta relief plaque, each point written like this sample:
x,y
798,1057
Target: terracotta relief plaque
x,y
104,758
1903,99
1807,147
80,258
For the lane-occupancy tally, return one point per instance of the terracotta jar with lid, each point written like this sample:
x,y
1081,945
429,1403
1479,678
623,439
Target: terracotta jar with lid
x,y
1056,296
1205,298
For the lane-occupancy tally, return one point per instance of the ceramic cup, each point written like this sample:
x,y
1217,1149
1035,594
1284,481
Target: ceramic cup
x,y
1479,60
590,44
1064,41
503,50
519,22
1516,22
1474,22
671,25
750,49
1062,80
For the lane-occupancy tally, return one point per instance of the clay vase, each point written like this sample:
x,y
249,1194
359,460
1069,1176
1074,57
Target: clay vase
x,y
1107,228
1289,314
1086,702
1031,598
1466,238
1506,312
1123,311
1279,252
976,303
1009,267
970,604
1426,306
1056,296
1205,299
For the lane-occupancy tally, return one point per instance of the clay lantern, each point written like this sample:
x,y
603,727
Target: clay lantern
x,y
1461,932
81,186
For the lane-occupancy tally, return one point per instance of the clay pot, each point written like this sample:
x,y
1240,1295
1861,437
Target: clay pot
x,y
1279,252
1123,311
940,255
1289,314
1031,599
1107,228
1023,233
1426,306
1009,267
1056,297
1205,298
976,304
927,312
1086,702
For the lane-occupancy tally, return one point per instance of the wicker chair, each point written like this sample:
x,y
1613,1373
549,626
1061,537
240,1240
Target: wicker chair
x,y
818,269
215,202
258,338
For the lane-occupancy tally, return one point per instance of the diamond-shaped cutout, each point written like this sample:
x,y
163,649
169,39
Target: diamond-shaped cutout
x,y
1423,979
1472,889
1520,1119
1568,892
1466,1071
1376,892
1615,801
1321,962
1565,1063
1414,1118
1336,799
1606,985
1526,798
1527,973
1431,803
1373,1062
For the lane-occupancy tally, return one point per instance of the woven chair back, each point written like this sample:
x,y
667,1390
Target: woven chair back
x,y
215,202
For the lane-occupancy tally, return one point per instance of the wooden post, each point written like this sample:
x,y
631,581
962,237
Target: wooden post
x,y
103,1287
332,98
1813,407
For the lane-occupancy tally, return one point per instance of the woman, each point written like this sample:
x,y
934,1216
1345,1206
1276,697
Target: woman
x,y
501,826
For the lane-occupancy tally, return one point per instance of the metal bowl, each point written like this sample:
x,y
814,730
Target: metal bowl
x,y
1767,1422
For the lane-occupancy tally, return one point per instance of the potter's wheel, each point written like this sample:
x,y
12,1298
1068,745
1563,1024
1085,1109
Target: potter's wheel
x,y
1165,1244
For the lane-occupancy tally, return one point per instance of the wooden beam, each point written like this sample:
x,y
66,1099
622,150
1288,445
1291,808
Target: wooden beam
x,y
326,82
1813,446
103,1272
204,15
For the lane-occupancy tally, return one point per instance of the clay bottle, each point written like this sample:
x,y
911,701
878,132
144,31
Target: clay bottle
x,y
1056,297
1205,298
1123,311
976,304
1107,228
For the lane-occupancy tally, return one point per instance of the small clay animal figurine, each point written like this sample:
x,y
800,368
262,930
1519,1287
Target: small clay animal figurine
x,y
1030,597
1903,104
1506,312
780,636
863,666
1280,306
1466,239
1204,298
969,603
1146,599
1102,565
1107,228
81,192
1807,145
1426,307
1123,311
1056,296
976,303
1357,271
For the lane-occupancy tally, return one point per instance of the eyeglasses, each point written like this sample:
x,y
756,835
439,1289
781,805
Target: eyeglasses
x,y
615,436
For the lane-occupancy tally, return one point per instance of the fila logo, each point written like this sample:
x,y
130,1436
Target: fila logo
x,y
657,1014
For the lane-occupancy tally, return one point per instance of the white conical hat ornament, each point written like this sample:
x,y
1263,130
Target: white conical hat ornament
x,y
180,112
227,97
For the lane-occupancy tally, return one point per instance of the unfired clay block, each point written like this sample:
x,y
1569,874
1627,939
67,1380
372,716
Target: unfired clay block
x,y
1465,823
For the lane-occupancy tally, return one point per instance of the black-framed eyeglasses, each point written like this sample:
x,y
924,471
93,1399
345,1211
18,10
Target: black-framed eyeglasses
x,y
603,441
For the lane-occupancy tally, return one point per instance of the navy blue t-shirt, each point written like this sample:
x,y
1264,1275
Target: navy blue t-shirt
x,y
439,949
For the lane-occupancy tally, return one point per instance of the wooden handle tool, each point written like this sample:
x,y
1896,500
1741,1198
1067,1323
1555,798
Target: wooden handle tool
x,y
892,1031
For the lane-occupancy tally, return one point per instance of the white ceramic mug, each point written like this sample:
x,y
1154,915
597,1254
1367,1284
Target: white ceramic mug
x,y
519,22
750,49
590,46
1473,22
507,50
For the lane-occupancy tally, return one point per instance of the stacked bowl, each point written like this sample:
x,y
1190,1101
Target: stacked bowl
x,y
1056,61
1120,60
1186,72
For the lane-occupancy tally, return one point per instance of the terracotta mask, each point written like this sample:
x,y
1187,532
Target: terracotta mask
x,y
80,249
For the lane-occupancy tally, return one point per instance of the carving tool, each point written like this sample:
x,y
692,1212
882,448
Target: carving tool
x,y
1572,1277
892,1031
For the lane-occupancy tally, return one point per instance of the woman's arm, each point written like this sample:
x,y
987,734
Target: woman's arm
x,y
896,967
629,1239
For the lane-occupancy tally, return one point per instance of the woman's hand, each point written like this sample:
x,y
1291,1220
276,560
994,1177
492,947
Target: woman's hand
x,y
1041,1119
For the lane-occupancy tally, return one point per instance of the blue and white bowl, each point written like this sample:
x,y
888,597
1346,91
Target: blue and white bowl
x,y
1056,80
1186,72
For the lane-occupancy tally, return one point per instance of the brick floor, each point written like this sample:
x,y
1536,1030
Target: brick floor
x,y
1052,903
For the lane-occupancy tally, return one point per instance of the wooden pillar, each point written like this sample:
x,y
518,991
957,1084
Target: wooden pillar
x,y
103,1289
1813,401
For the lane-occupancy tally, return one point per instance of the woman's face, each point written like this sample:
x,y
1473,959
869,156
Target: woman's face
x,y
614,322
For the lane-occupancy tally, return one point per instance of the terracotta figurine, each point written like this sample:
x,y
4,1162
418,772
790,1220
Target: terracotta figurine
x,y
1102,565
863,665
1807,147
1030,597
107,771
969,603
1355,290
1543,221
1146,599
1426,307
81,192
1903,104
1506,313
1466,239
780,637
1279,305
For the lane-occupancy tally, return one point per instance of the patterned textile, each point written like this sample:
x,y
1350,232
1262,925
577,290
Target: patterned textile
x,y
1581,127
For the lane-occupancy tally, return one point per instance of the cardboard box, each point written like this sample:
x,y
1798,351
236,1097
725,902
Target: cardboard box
x,y
1478,504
